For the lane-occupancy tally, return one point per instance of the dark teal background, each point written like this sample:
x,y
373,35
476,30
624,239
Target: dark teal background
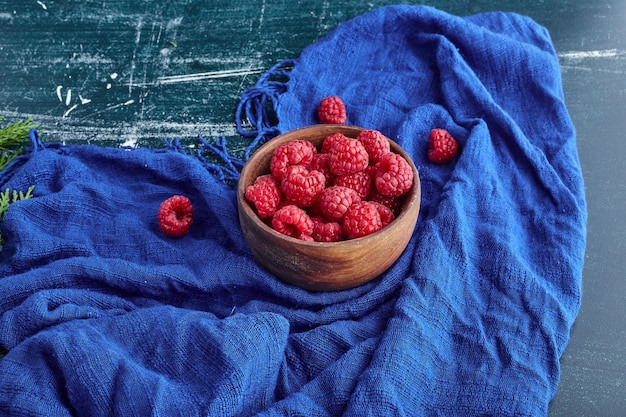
x,y
125,72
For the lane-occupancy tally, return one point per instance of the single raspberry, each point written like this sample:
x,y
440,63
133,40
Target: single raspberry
x,y
326,231
301,186
394,176
347,156
332,111
361,219
335,200
386,215
175,216
320,163
331,140
293,221
442,146
375,144
264,194
393,203
361,182
296,152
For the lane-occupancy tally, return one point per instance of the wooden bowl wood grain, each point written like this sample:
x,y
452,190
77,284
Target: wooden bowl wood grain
x,y
323,266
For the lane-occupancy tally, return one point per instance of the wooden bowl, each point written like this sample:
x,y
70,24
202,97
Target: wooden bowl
x,y
323,266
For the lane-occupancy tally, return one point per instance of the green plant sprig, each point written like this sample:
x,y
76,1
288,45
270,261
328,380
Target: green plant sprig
x,y
12,138
7,198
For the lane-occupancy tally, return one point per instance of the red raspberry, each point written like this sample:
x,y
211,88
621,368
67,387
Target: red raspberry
x,y
442,146
331,140
320,163
301,186
361,219
264,194
335,200
393,203
386,215
293,221
175,216
375,144
348,156
361,182
332,111
296,152
394,176
326,231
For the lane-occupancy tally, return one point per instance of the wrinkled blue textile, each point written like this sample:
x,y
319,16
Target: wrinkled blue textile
x,y
103,315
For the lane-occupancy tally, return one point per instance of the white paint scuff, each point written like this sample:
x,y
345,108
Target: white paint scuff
x,y
174,79
68,111
68,97
129,143
83,100
579,55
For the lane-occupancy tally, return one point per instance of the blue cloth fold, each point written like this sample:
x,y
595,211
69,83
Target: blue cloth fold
x,y
103,315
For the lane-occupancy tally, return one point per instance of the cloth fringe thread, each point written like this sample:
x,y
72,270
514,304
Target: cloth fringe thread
x,y
253,106
253,121
226,168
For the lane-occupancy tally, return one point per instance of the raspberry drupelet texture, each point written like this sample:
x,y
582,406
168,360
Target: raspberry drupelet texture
x,y
375,144
320,163
361,219
394,176
324,231
393,203
330,141
386,215
297,152
301,186
361,182
347,156
293,221
332,110
175,216
442,146
265,194
335,201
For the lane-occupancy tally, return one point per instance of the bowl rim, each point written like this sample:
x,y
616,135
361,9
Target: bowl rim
x,y
412,197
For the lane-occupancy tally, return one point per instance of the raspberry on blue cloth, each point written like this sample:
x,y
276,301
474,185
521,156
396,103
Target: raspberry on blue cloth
x,y
102,314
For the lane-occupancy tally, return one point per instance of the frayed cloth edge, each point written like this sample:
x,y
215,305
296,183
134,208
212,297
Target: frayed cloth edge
x,y
252,118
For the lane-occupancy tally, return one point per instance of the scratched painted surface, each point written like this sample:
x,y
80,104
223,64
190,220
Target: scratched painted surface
x,y
133,72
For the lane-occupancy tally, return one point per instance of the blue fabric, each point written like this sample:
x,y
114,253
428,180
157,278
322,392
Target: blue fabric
x,y
103,315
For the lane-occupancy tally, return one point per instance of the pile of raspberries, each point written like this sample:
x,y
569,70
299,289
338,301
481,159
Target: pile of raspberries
x,y
350,188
